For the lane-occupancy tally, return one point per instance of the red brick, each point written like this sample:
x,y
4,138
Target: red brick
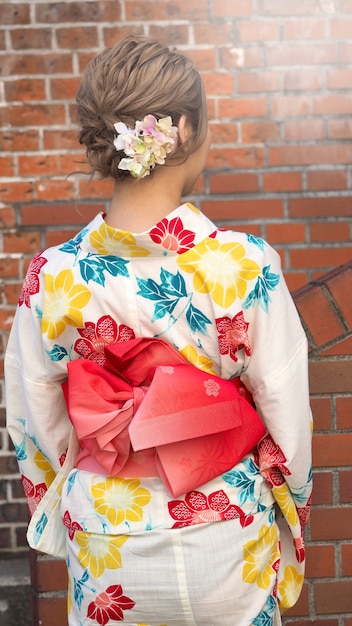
x,y
339,104
302,54
237,209
50,611
286,106
76,37
65,214
317,303
339,78
343,347
233,183
308,622
50,164
259,132
333,596
341,28
100,189
241,57
15,141
320,561
331,524
48,574
346,550
63,89
149,10
60,140
15,13
7,216
304,130
7,166
345,52
253,229
48,190
340,128
340,284
289,7
329,231
320,207
242,107
223,132
112,35
36,63
295,279
321,409
17,191
304,28
25,89
27,242
29,38
58,12
204,58
337,374
323,488
285,233
282,181
235,158
326,179
301,607
228,8
332,450
302,80
345,6
11,294
34,115
345,485
172,35
259,30
56,237
344,412
218,83
213,34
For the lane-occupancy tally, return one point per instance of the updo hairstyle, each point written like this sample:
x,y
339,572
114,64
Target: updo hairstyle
x,y
135,78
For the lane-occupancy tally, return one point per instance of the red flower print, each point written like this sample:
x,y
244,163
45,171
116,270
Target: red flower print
x,y
232,335
109,605
34,493
271,461
197,508
300,549
31,282
94,338
304,513
172,236
72,526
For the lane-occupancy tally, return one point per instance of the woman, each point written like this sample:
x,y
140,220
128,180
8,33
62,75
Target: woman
x,y
173,500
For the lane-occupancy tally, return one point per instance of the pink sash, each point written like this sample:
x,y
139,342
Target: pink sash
x,y
148,412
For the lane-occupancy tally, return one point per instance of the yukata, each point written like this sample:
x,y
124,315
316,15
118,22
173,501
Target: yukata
x,y
226,552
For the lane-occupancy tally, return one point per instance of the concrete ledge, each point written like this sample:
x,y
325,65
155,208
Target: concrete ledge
x,y
15,593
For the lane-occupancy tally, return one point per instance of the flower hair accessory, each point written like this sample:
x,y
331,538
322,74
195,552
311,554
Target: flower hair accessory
x,y
146,145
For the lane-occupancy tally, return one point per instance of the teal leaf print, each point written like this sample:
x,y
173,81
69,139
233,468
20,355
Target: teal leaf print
x,y
173,284
39,528
38,311
77,588
94,266
265,283
20,451
57,353
72,245
258,241
167,294
70,481
196,319
244,481
265,617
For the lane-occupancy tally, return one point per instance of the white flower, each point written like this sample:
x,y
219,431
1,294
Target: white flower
x,y
146,145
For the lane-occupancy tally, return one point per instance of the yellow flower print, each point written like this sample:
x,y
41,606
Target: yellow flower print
x,y
121,243
99,553
221,269
290,587
120,499
203,363
285,501
42,462
63,300
259,556
193,208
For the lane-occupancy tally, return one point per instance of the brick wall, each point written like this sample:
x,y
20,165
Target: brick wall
x,y
278,77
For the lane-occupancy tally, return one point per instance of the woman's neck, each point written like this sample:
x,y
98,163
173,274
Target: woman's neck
x,y
137,205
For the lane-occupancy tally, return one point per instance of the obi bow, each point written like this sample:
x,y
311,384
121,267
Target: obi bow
x,y
147,411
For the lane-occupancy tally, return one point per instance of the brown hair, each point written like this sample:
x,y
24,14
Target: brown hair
x,y
137,77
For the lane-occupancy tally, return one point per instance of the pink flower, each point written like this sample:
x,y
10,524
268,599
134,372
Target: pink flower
x,y
94,338
197,508
31,282
233,335
109,605
172,236
271,461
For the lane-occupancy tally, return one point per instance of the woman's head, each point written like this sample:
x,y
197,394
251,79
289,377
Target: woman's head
x,y
136,78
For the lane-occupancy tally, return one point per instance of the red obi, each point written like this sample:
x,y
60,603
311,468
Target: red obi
x,y
148,412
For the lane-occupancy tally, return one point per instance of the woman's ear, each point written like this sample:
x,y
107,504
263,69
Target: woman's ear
x,y
183,129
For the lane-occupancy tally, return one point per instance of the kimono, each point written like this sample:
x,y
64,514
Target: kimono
x,y
227,550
